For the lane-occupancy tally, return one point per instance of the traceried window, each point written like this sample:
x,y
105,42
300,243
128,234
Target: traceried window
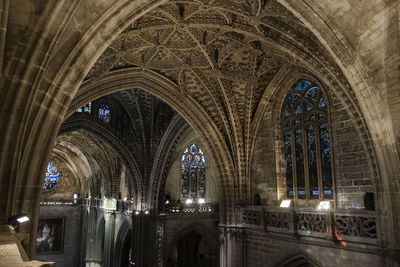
x,y
52,177
307,142
104,113
87,108
193,183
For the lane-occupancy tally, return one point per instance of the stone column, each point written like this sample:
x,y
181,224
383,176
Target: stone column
x,y
109,238
90,221
144,240
232,247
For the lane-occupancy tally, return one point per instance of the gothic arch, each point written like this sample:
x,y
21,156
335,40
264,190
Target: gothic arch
x,y
380,130
296,258
279,95
73,166
157,178
84,123
94,178
211,238
273,99
51,78
124,231
169,92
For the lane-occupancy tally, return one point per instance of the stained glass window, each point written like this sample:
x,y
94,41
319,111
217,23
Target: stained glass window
x,y
104,113
193,180
306,139
52,177
87,108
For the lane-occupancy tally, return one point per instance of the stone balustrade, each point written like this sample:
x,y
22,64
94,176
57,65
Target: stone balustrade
x,y
348,225
190,209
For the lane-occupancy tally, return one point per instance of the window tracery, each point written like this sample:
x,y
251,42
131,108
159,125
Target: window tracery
x,y
104,113
193,171
306,140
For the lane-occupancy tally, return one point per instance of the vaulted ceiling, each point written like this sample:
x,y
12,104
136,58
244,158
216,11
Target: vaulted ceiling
x,y
221,54
98,160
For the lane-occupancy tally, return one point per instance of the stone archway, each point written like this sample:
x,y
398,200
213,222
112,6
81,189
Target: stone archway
x,y
62,47
123,245
85,124
171,94
185,248
297,259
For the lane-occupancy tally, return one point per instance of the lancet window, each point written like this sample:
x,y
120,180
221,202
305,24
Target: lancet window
x,y
193,174
306,139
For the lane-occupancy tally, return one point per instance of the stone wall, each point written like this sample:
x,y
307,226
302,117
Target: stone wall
x,y
173,181
176,227
351,169
264,251
71,253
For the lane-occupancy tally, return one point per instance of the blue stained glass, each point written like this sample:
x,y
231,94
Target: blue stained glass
x,y
312,160
292,99
325,157
193,181
288,162
328,192
193,148
298,110
301,85
309,107
104,113
322,102
303,120
301,183
87,108
302,192
52,177
312,92
286,112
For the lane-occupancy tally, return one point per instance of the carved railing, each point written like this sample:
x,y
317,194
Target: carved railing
x,y
190,209
128,206
354,226
278,221
121,206
252,216
61,202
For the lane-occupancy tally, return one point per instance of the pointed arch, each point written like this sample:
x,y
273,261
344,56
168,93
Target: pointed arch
x,y
212,238
306,142
297,258
124,233
85,123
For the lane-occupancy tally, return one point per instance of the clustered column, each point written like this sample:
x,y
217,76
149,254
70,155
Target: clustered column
x,y
233,247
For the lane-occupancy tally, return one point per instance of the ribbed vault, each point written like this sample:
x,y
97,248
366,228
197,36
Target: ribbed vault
x,y
96,158
218,58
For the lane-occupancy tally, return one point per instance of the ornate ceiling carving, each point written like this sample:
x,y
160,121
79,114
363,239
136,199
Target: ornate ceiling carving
x,y
221,54
93,155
